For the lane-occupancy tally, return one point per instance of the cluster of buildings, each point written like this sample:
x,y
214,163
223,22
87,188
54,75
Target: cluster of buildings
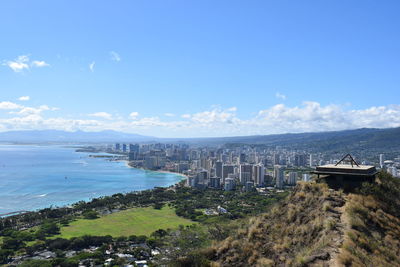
x,y
227,168
391,166
246,175
222,168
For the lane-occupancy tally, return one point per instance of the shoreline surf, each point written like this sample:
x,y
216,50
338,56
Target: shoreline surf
x,y
35,178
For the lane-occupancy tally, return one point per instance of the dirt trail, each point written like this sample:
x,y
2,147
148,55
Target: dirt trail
x,y
343,227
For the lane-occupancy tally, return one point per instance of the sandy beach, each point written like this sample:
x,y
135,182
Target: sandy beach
x,y
160,171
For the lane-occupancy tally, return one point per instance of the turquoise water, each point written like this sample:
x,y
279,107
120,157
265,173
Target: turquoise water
x,y
33,177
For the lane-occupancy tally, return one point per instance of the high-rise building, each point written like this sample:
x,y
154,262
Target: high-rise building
x,y
203,177
292,179
227,169
258,174
132,155
381,160
123,147
150,162
306,177
242,158
183,166
229,184
231,157
134,148
215,182
276,159
245,173
311,161
279,176
117,147
265,162
244,177
218,169
300,160
224,158
248,186
268,178
192,181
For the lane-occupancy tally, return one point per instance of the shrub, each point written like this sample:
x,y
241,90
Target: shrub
x,y
90,214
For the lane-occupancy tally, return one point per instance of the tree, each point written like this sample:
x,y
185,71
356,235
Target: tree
x,y
47,229
4,254
90,214
159,233
158,205
12,243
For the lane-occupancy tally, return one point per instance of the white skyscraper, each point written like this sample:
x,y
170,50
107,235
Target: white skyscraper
x,y
381,160
306,177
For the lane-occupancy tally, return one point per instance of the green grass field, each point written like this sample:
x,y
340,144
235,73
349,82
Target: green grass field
x,y
136,221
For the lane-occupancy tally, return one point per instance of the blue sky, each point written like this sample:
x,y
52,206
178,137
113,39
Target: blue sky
x,y
199,68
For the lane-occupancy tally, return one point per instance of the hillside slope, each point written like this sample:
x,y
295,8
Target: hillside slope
x,y
317,226
305,229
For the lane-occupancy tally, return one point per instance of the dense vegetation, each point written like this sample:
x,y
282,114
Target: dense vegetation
x,y
316,226
313,226
45,230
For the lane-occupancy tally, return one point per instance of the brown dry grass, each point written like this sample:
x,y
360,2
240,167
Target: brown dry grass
x,y
374,235
313,227
294,233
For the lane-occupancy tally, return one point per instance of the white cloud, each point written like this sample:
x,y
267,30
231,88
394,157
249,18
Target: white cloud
x,y
311,116
9,105
186,116
134,115
115,56
216,115
31,110
37,122
169,114
19,64
39,64
24,98
280,96
217,121
23,62
91,66
103,115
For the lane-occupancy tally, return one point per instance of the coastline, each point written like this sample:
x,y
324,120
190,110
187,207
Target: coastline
x,y
47,200
159,171
144,169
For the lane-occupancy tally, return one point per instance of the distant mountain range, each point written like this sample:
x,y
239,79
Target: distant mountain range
x,y
336,141
350,140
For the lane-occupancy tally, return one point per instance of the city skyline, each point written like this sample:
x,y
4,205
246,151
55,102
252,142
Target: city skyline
x,y
181,69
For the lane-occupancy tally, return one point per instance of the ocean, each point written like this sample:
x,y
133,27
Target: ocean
x,y
34,177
